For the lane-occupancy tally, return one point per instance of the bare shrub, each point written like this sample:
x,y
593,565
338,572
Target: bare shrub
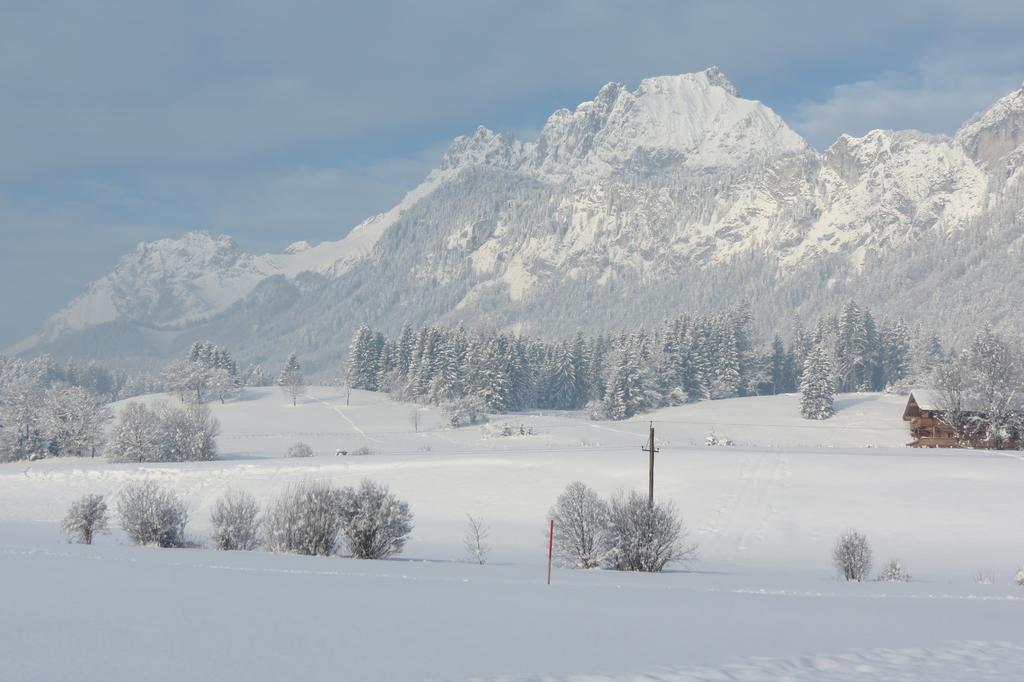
x,y
86,517
375,523
984,578
475,541
300,449
362,451
852,556
581,526
234,521
305,519
894,572
645,538
152,515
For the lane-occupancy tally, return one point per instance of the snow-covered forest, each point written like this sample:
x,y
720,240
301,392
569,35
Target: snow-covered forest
x,y
688,358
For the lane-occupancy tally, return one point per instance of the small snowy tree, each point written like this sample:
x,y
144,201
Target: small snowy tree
x,y
256,376
375,523
581,526
894,572
234,521
151,515
300,449
475,541
645,538
292,380
73,420
305,519
852,556
135,435
1019,578
86,517
189,379
223,384
816,389
186,433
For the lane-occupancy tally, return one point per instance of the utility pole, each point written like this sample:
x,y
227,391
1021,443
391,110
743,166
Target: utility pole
x,y
650,484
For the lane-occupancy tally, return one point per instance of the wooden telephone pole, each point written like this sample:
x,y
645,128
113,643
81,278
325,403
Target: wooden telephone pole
x,y
650,484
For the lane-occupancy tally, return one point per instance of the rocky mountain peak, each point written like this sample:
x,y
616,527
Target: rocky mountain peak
x,y
996,132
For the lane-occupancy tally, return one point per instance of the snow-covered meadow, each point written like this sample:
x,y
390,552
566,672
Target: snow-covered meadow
x,y
762,601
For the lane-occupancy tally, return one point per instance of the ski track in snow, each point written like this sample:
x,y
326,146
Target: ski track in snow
x,y
337,409
967,661
744,513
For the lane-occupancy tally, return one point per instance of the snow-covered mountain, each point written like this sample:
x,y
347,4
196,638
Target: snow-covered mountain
x,y
679,194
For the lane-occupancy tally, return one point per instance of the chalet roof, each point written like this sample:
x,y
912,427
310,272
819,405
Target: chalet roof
x,y
929,399
926,398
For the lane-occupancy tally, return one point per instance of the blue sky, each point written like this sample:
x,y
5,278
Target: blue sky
x,y
126,121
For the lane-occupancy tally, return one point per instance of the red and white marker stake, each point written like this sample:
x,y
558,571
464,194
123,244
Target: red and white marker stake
x,y
551,546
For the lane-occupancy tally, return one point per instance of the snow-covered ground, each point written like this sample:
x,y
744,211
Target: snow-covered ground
x,y
762,601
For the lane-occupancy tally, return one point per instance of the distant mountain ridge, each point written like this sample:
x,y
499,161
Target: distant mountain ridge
x,y
677,195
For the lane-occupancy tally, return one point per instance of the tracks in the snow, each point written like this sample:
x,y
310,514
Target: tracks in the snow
x,y
743,513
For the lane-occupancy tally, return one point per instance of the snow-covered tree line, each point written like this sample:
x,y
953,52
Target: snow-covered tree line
x,y
42,416
209,372
206,372
103,382
689,358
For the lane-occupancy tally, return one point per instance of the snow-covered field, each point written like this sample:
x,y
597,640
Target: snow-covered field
x,y
762,601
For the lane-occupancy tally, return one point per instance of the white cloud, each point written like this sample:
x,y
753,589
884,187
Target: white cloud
x,y
936,96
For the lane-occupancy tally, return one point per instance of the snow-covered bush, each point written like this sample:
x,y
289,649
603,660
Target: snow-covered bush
x,y
475,541
464,411
362,451
152,515
234,521
134,437
712,440
86,517
983,578
581,526
642,538
375,523
597,410
507,430
305,519
166,433
300,449
852,556
894,572
186,434
1019,578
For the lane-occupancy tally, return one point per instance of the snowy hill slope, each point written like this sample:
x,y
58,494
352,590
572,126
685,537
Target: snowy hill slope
x,y
679,194
761,603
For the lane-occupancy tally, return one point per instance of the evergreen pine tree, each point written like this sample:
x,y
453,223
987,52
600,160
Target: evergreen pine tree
x,y
291,379
816,388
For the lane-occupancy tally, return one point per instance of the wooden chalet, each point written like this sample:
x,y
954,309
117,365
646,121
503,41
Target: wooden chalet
x,y
930,430
926,424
